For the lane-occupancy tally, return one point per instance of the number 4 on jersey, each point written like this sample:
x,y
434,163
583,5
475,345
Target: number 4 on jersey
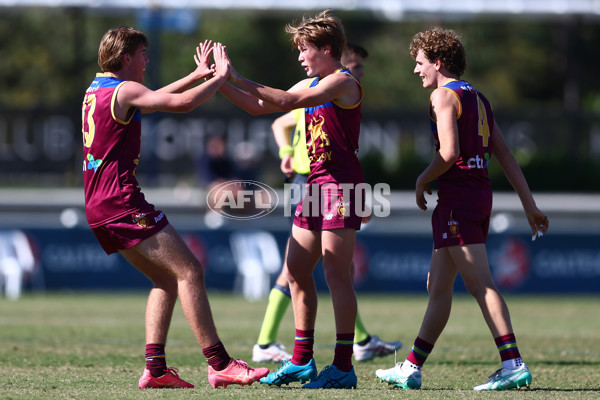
x,y
484,128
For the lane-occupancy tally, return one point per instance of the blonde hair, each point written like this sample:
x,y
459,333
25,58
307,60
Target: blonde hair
x,y
322,30
115,44
443,44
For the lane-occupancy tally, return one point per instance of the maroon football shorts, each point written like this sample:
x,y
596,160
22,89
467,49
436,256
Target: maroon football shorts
x,y
454,226
130,230
324,207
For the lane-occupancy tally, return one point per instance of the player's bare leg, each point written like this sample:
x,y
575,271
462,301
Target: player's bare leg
x,y
266,347
472,263
303,254
282,278
169,253
161,300
338,250
159,311
440,285
304,251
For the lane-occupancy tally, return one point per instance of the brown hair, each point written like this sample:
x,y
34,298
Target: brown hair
x,y
357,49
443,44
115,44
322,30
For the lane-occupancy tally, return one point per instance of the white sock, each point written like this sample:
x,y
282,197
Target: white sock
x,y
514,363
408,367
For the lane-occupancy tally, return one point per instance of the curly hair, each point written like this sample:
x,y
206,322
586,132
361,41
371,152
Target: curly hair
x,y
443,44
115,44
322,30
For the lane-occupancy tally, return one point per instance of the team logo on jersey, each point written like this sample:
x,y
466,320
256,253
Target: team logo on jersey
x,y
141,220
315,128
453,225
478,162
93,164
342,207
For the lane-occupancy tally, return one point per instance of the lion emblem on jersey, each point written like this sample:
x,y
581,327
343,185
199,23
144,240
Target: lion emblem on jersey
x,y
453,225
315,128
141,220
343,208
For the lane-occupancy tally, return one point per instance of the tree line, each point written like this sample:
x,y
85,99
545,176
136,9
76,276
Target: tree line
x,y
534,67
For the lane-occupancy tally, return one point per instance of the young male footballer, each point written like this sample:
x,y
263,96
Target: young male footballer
x,y
331,98
295,164
466,137
124,221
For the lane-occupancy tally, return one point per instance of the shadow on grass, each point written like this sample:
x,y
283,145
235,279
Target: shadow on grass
x,y
566,363
447,389
545,362
538,389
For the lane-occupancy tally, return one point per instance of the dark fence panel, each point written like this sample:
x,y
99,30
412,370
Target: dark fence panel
x,y
393,263
43,147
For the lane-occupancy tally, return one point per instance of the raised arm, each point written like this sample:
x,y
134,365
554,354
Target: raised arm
x,y
536,218
339,87
204,69
251,103
133,94
256,98
246,101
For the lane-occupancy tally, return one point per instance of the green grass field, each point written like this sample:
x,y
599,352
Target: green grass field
x,y
91,346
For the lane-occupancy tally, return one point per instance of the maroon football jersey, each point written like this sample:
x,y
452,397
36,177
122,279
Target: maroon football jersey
x,y
111,150
467,180
332,133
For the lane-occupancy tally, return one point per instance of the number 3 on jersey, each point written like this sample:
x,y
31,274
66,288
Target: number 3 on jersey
x,y
484,128
88,107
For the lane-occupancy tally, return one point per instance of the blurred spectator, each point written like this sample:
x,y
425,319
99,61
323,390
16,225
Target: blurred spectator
x,y
257,256
219,173
17,260
215,169
246,160
215,165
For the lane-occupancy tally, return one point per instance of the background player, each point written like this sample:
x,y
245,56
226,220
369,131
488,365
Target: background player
x,y
296,166
124,221
466,137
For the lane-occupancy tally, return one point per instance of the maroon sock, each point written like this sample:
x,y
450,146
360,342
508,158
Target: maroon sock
x,y
156,362
419,352
507,347
303,346
217,356
342,358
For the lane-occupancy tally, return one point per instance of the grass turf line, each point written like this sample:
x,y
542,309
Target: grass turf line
x,y
91,346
